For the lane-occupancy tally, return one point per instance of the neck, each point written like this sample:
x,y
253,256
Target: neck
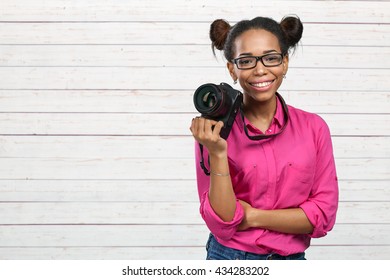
x,y
260,114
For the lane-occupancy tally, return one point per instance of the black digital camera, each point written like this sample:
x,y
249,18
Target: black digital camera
x,y
220,103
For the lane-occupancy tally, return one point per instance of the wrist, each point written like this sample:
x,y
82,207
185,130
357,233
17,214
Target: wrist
x,y
254,218
218,154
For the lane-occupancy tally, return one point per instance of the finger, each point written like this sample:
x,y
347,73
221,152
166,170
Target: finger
x,y
209,127
200,127
217,128
194,125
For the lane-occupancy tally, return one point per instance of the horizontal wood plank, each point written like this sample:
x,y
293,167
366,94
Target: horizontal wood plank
x,y
205,10
103,236
153,169
103,253
359,252
149,147
171,101
124,190
364,190
173,190
84,169
178,253
82,213
180,56
100,191
356,235
164,235
105,147
174,79
127,213
123,124
184,33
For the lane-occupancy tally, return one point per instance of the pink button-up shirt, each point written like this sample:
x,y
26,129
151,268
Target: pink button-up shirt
x,y
293,169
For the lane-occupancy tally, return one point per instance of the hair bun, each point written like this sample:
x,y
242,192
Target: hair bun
x,y
219,31
292,28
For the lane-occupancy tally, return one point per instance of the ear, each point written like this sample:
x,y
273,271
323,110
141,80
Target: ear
x,y
231,69
285,64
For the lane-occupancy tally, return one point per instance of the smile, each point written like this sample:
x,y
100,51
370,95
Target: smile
x,y
261,85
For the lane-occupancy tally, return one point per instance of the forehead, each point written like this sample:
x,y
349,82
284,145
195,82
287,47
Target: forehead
x,y
256,42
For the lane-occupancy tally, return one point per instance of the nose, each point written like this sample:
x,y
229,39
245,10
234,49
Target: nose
x,y
260,69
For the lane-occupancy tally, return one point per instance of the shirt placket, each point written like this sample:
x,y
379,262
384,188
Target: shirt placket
x,y
272,176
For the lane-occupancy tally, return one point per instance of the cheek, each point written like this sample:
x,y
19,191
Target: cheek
x,y
279,74
244,74
279,80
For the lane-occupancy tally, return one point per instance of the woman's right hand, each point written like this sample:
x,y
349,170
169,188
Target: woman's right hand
x,y
207,133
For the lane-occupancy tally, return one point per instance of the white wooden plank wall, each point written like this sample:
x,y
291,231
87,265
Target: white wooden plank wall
x,y
96,159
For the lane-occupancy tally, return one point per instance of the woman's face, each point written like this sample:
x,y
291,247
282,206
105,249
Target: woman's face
x,y
259,83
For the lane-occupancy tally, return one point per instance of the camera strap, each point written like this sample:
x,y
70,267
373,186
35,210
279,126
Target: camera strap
x,y
202,165
266,136
254,138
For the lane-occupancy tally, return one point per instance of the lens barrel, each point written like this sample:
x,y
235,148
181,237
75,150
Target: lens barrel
x,y
220,103
210,100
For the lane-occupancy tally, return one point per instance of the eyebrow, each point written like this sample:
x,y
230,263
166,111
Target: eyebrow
x,y
265,52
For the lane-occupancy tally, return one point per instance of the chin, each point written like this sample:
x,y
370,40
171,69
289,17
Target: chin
x,y
262,96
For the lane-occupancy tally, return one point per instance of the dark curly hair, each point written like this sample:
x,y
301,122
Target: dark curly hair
x,y
288,31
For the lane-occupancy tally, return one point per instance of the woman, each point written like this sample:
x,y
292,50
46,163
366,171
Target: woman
x,y
272,184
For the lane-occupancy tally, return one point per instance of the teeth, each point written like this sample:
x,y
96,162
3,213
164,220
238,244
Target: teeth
x,y
264,84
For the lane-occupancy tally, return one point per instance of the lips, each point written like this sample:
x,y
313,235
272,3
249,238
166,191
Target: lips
x,y
262,84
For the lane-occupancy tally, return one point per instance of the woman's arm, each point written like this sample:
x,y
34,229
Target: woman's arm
x,y
293,221
221,195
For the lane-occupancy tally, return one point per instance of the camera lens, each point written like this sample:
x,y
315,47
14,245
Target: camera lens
x,y
208,99
218,102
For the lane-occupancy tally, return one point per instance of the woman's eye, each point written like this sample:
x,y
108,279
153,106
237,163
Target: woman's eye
x,y
245,61
272,58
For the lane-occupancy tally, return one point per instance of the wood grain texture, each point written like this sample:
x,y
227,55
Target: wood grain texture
x,y
146,213
359,252
179,101
160,124
193,10
158,235
111,190
126,55
161,147
183,33
156,169
96,158
96,78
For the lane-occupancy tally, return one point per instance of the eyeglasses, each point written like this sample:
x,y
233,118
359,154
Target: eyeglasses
x,y
268,60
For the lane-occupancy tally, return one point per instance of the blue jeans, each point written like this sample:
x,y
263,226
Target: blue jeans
x,y
216,251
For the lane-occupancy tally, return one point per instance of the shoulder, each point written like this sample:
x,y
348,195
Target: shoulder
x,y
307,120
305,116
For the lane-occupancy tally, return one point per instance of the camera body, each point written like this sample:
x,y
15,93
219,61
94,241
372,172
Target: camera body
x,y
220,103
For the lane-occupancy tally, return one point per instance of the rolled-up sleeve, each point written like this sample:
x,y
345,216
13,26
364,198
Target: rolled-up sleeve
x,y
321,207
221,229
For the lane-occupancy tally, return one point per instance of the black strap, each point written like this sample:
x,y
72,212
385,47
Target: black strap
x,y
205,170
266,136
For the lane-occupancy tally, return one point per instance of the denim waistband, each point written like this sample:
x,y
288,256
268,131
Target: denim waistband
x,y
217,251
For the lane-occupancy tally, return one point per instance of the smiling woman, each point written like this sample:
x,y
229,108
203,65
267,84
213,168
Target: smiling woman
x,y
274,187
